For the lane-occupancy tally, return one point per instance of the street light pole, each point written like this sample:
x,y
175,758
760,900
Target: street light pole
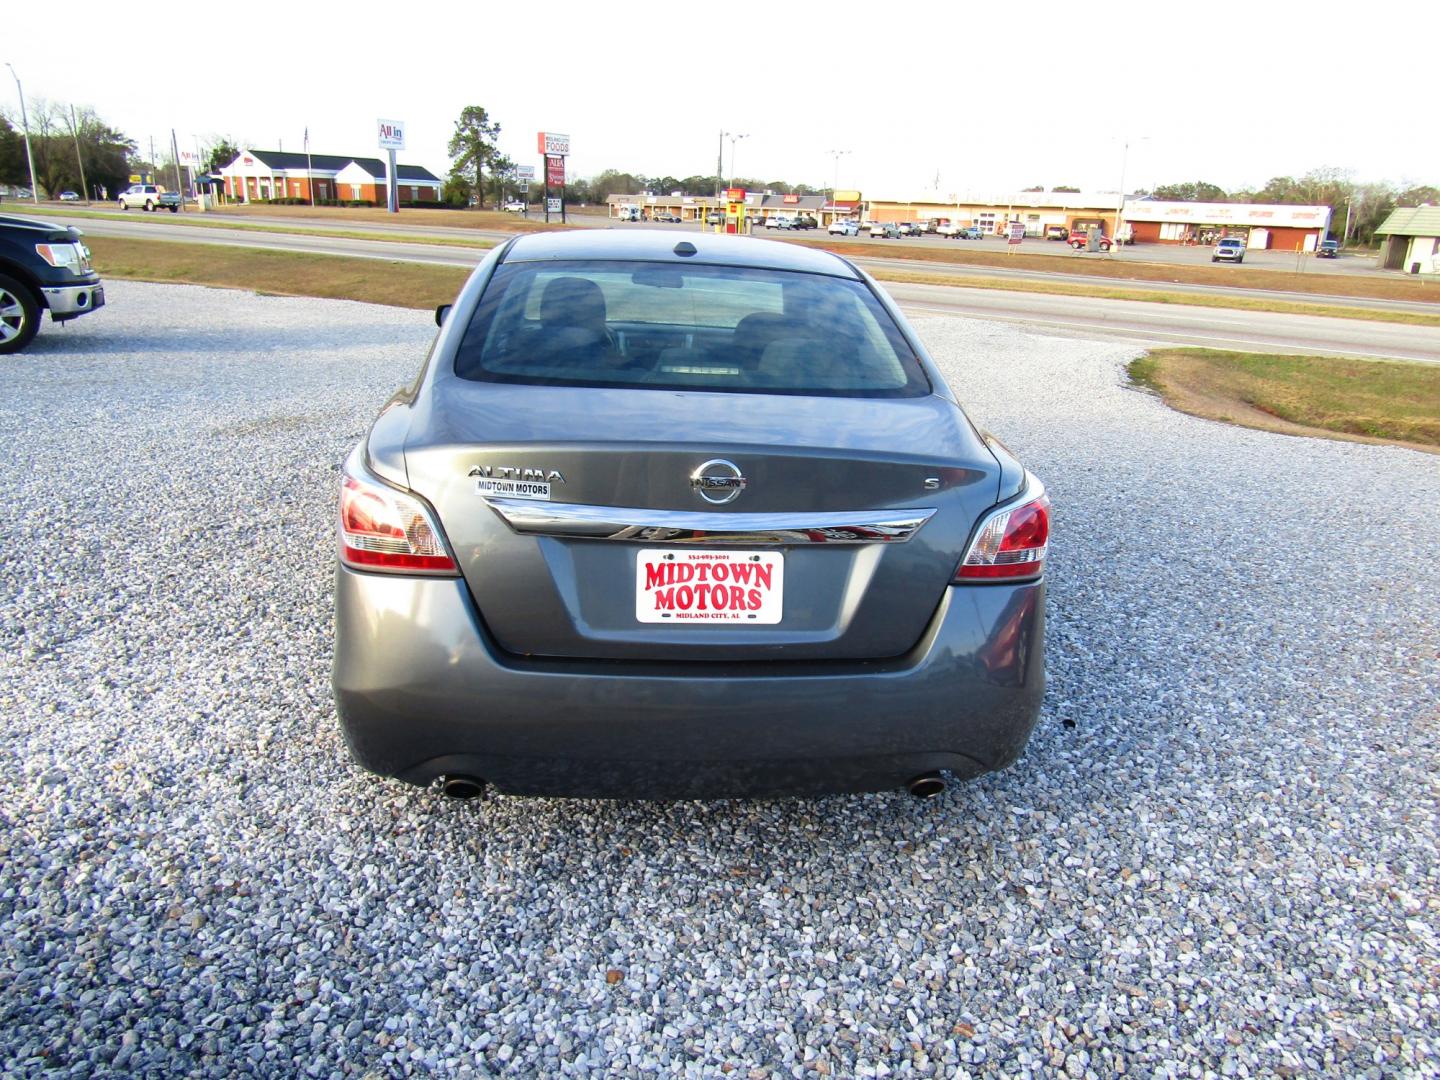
x,y
79,160
25,123
1120,204
837,155
733,140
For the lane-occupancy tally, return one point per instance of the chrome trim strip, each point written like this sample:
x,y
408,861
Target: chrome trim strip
x,y
578,521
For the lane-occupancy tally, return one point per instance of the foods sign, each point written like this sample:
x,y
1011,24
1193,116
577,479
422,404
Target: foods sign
x,y
550,143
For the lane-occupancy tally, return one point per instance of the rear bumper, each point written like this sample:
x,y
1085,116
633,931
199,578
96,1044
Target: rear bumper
x,y
422,691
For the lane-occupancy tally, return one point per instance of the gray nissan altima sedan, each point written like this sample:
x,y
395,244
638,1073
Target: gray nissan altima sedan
x,y
683,520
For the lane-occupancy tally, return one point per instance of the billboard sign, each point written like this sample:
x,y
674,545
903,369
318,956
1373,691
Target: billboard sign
x,y
550,143
524,172
1015,232
392,134
554,170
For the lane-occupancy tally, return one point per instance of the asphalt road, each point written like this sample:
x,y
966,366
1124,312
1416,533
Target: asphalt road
x,y
1170,324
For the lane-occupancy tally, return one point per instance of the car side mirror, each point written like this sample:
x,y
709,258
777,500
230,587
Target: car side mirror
x,y
441,313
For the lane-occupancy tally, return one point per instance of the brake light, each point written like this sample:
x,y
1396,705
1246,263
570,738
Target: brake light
x,y
387,530
1010,544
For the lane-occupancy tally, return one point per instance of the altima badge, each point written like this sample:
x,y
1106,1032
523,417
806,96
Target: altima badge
x,y
718,481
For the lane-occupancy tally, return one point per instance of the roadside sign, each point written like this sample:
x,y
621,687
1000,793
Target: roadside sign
x,y
524,186
190,159
392,134
1016,232
554,170
735,194
524,172
552,206
550,143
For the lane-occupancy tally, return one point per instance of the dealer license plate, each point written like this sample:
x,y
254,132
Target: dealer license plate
x,y
709,587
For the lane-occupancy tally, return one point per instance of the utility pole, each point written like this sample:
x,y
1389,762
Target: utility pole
x,y
175,157
25,123
720,163
154,170
75,131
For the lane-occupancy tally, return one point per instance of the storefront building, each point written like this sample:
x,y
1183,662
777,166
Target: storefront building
x,y
276,174
1074,211
1278,227
759,205
1411,240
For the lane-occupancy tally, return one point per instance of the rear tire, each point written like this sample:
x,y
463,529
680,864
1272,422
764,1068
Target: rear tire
x,y
174,209
19,315
149,206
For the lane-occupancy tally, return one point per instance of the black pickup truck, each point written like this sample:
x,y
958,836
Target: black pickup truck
x,y
43,266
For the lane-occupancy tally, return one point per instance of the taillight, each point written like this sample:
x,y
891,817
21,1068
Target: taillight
x,y
387,530
1011,542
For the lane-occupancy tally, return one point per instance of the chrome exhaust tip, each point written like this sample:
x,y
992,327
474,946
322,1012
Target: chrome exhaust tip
x,y
927,786
461,787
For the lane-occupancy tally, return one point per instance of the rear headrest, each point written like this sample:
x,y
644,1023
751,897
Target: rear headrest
x,y
572,301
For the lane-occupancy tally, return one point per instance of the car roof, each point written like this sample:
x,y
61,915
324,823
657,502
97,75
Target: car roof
x,y
615,245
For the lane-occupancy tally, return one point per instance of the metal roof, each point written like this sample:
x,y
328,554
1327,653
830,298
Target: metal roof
x,y
653,245
1411,221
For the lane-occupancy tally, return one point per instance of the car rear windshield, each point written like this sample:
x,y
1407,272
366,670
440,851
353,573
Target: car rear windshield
x,y
662,326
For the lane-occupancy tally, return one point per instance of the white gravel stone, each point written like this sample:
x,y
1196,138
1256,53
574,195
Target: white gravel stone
x,y
1217,857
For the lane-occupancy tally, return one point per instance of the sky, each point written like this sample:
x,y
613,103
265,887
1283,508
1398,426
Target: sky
x,y
918,99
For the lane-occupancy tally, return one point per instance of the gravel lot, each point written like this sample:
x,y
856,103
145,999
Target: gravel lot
x,y
1218,856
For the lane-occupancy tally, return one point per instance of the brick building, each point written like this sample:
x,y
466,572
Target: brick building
x,y
278,174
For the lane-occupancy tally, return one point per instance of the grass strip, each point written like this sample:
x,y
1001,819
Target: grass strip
x,y
278,273
1375,401
1131,266
1149,296
201,221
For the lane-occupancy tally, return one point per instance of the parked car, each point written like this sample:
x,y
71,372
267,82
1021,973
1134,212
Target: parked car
x,y
43,267
1056,232
1081,241
515,206
883,230
1229,249
908,228
844,228
804,221
826,579
669,219
149,197
1328,249
69,196
780,221
715,217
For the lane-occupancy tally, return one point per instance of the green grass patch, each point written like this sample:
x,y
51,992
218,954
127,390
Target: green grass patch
x,y
281,273
1155,296
1388,401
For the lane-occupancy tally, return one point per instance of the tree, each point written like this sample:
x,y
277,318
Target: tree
x,y
221,153
1037,187
473,145
1191,191
501,176
13,169
1065,187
